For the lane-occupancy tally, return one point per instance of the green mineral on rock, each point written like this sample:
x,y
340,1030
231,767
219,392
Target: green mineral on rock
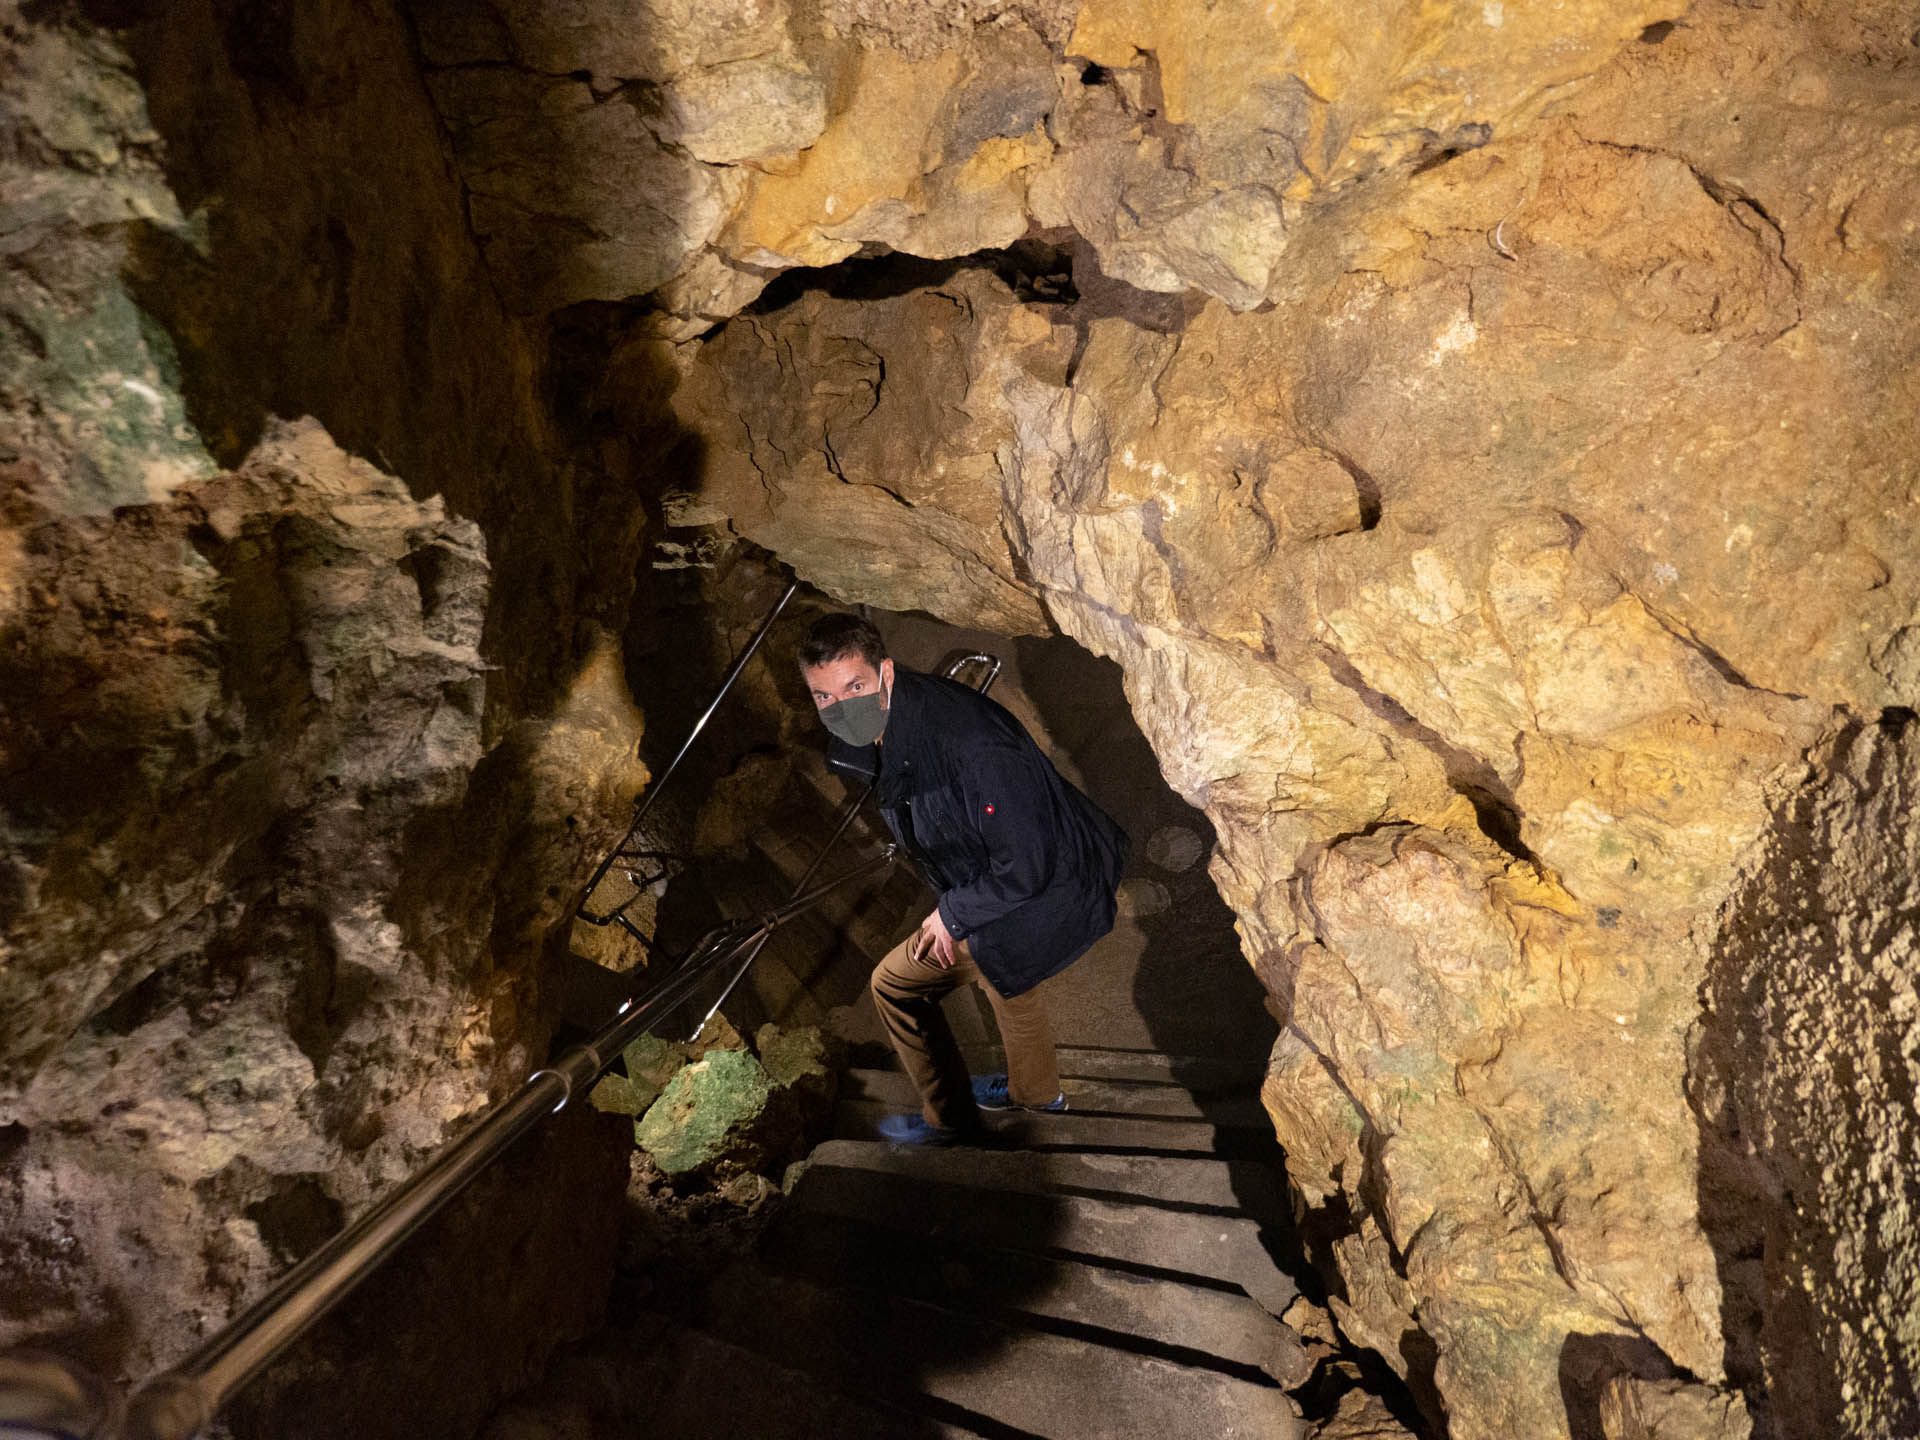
x,y
706,1114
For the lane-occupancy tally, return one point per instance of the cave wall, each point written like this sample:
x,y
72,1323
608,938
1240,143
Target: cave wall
x,y
1483,433
311,702
1807,1059
1481,571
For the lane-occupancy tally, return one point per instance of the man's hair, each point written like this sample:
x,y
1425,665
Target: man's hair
x,y
832,636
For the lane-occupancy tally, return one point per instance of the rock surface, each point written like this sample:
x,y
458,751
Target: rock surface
x,y
310,712
732,1111
707,1114
1636,1409
1463,583
692,154
1810,1173
1360,1416
1484,434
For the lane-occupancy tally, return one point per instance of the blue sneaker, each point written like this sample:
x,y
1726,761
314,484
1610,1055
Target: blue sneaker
x,y
990,1092
914,1130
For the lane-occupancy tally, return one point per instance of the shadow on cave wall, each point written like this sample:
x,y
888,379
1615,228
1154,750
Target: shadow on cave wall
x,y
1803,1086
1192,987
328,270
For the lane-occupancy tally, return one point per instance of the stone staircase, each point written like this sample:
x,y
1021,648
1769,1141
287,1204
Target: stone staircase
x,y
1115,1271
1103,1274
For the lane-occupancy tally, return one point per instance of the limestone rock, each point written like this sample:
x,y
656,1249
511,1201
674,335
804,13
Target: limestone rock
x,y
1484,435
221,1009
898,409
734,809
577,196
722,1110
1153,222
747,110
392,668
654,40
1311,1322
1809,1172
598,145
1169,137
795,1058
802,1061
1360,1416
282,696
650,1063
1466,581
1637,1409
1302,95
617,1095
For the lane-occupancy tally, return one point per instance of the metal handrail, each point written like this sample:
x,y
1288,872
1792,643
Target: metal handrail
x,y
954,666
44,1396
618,915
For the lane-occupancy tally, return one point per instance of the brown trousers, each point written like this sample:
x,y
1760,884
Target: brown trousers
x,y
907,993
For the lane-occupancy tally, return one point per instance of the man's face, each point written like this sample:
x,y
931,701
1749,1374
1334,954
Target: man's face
x,y
845,677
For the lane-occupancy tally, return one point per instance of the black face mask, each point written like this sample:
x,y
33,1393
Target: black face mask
x,y
858,719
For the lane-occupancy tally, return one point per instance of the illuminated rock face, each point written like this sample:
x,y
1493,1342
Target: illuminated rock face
x,y
613,151
1486,585
1484,433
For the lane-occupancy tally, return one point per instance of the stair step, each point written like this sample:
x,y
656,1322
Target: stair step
x,y
1124,1098
1199,1074
668,1380
966,1369
1031,1204
1192,1324
856,1118
1200,1184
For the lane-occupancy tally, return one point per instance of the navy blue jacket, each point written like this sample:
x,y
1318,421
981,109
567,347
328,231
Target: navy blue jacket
x,y
1025,864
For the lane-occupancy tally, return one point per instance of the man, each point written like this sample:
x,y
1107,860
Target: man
x,y
1025,865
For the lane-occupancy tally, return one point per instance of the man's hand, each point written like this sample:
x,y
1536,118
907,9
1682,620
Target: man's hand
x,y
936,940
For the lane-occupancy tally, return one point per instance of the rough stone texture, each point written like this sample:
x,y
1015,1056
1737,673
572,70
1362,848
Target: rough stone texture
x,y
706,1115
731,1111
243,733
1360,1416
692,152
895,449
307,724
1811,1173
468,1274
650,1063
1557,498
1483,433
1636,1409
